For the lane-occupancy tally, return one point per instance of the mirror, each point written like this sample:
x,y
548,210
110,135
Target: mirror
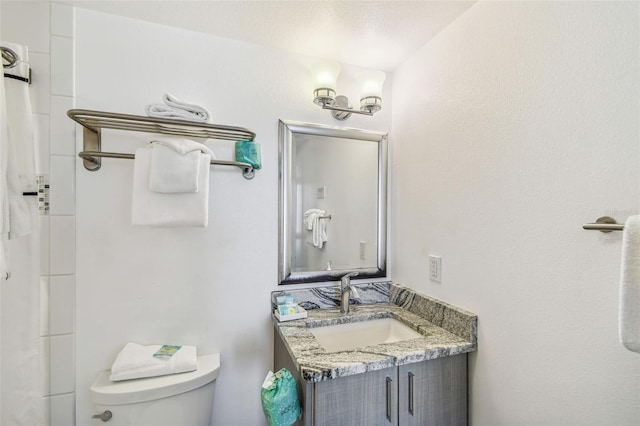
x,y
333,202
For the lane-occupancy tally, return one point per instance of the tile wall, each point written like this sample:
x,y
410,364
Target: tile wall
x,y
48,30
61,273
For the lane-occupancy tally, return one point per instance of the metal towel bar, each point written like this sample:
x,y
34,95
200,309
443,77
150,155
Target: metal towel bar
x,y
604,224
94,121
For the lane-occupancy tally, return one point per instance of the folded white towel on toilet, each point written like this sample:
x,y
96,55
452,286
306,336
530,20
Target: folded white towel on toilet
x,y
174,108
175,165
137,361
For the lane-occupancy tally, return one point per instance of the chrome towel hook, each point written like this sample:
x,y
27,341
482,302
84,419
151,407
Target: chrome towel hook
x,y
9,56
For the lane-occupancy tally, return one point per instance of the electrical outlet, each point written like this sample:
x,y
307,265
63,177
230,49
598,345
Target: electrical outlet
x,y
435,268
363,249
321,192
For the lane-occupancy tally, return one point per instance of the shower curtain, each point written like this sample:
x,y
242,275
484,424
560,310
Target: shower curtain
x,y
21,379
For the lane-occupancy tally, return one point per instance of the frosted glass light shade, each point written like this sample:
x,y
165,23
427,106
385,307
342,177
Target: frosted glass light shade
x,y
371,83
325,75
371,90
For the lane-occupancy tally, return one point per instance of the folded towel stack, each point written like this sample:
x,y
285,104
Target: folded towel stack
x,y
171,184
315,225
137,361
175,109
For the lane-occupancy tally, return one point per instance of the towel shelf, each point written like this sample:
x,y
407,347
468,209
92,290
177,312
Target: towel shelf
x,y
604,224
94,121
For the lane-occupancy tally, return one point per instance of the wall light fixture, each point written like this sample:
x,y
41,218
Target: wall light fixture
x,y
325,75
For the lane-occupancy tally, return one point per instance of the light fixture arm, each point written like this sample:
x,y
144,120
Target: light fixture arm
x,y
349,110
340,108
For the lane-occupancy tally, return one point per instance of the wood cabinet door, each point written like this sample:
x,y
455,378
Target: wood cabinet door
x,y
434,392
368,399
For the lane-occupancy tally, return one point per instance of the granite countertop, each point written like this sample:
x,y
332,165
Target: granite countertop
x,y
446,330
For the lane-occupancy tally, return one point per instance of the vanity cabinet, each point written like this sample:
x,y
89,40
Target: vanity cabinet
x,y
362,399
432,392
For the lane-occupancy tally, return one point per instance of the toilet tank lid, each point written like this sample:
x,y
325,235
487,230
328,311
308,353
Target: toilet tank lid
x,y
106,392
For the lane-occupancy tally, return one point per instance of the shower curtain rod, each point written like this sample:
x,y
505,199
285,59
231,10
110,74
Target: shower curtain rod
x,y
12,60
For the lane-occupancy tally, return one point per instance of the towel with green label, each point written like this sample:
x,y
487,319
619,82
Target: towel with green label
x,y
137,361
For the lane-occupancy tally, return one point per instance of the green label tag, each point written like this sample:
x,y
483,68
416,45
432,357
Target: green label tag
x,y
167,351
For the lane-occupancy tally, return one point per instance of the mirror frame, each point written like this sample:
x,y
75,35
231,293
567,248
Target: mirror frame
x,y
286,131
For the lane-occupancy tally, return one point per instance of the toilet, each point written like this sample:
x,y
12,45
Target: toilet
x,y
172,400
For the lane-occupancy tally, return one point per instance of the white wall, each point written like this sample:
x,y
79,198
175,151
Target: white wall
x,y
513,127
207,287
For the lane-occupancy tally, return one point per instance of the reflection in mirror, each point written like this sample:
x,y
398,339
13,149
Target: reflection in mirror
x,y
332,202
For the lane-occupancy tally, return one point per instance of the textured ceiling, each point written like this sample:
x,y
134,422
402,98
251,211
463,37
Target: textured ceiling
x,y
371,34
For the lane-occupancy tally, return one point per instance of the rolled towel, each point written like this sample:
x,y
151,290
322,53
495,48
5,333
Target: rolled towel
x,y
137,361
173,108
629,308
175,165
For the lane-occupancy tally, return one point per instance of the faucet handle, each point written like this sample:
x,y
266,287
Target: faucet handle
x,y
346,277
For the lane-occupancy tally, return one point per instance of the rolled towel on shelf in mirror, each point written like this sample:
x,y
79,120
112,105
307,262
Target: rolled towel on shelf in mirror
x,y
175,109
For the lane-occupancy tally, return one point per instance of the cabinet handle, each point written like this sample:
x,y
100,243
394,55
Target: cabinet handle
x,y
411,375
389,381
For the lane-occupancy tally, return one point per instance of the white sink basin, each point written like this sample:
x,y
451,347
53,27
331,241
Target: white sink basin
x,y
343,337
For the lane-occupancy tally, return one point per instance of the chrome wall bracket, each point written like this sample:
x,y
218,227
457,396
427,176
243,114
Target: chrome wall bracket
x,y
604,224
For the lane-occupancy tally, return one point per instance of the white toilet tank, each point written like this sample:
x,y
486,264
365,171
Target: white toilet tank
x,y
184,399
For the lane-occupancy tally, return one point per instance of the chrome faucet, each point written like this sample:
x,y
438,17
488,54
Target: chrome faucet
x,y
346,289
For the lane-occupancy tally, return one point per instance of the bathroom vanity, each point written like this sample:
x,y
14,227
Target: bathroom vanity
x,y
401,380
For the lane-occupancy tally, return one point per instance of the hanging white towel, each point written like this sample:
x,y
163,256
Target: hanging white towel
x,y
20,116
173,108
169,210
629,312
17,155
137,361
22,380
175,165
316,227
